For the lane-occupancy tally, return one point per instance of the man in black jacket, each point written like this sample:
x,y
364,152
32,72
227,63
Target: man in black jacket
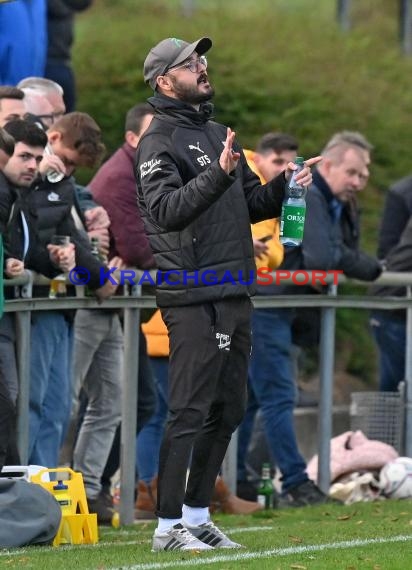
x,y
395,248
43,209
198,196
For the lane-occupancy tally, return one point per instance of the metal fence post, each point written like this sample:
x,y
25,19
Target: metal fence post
x,y
405,26
131,329
23,329
229,465
343,10
327,361
408,377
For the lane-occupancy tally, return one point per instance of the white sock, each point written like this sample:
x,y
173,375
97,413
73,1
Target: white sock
x,y
163,525
195,516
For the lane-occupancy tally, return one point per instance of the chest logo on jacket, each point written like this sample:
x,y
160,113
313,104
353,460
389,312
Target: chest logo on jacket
x,y
202,160
53,197
193,147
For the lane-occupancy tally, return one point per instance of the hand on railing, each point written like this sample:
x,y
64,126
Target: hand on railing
x,y
109,288
14,267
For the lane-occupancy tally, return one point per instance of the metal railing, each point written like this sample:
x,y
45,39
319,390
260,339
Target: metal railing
x,y
133,301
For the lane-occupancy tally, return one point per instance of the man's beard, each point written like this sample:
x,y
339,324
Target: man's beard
x,y
190,94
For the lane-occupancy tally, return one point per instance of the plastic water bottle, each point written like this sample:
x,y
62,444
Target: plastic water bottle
x,y
53,176
292,221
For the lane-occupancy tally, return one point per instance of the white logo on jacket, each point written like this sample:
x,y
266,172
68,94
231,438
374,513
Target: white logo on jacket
x,y
224,341
193,147
53,197
149,167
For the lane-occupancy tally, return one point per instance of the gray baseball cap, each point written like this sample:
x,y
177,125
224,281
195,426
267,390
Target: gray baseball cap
x,y
168,53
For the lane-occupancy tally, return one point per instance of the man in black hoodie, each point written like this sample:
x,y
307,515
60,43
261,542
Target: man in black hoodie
x,y
198,197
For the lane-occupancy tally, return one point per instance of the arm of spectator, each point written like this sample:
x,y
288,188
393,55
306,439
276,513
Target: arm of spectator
x,y
83,198
63,257
109,288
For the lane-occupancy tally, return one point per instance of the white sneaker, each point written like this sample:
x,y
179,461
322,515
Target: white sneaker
x,y
210,534
177,538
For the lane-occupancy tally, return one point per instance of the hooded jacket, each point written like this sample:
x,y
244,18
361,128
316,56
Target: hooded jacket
x,y
196,216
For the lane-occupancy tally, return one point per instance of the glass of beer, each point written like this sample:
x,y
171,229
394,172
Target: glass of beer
x,y
58,284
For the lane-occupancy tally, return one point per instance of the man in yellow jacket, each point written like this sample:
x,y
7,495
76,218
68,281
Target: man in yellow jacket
x,y
271,387
270,158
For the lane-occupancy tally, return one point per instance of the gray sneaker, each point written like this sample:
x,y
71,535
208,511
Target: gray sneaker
x,y
177,538
210,534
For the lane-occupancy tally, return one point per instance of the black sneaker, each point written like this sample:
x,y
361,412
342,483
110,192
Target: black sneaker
x,y
100,506
307,493
246,490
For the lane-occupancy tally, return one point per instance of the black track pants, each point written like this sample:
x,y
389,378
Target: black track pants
x,y
209,357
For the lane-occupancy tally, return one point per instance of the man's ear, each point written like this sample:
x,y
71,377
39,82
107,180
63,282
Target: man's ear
x,y
54,136
325,166
164,83
132,138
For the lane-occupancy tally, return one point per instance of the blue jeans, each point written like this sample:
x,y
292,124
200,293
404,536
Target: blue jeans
x,y
150,437
50,386
390,336
272,382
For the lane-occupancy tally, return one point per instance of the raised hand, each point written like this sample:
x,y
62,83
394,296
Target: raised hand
x,y
228,159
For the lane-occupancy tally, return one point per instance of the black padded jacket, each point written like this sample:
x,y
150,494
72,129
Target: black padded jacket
x,y
196,216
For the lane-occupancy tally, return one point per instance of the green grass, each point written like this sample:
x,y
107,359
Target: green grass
x,y
312,539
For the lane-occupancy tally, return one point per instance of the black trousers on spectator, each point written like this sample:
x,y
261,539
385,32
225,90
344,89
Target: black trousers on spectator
x,y
8,449
208,367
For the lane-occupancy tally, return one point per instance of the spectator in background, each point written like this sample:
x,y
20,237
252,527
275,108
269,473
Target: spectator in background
x,y
272,154
60,29
23,40
21,243
12,105
6,148
43,98
114,187
49,208
331,241
8,444
395,250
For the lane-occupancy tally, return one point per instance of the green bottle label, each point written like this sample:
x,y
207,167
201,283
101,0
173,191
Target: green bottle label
x,y
292,221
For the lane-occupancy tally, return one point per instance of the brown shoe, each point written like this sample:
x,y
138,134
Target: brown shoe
x,y
145,505
225,501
